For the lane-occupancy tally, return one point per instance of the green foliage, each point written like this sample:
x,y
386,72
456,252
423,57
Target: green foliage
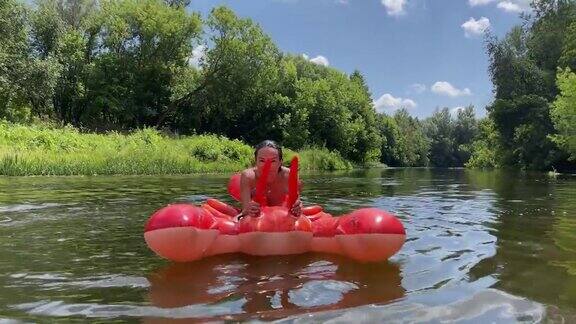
x,y
143,45
523,125
568,58
523,68
126,64
206,149
122,65
13,61
111,65
512,70
178,3
563,112
26,83
547,32
413,144
451,138
329,122
485,148
466,131
46,150
47,26
390,134
239,80
248,90
70,92
337,111
440,129
320,159
404,142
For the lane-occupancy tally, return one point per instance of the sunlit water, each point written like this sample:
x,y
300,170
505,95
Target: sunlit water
x,y
481,247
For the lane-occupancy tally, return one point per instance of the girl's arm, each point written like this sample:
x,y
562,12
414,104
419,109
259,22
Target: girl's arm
x,y
296,208
249,207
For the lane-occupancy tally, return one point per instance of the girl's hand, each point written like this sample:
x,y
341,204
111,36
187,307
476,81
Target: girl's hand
x,y
296,209
253,209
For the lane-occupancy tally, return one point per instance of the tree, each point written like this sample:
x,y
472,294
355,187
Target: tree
x,y
411,145
60,33
547,29
465,133
512,71
340,114
368,139
523,69
329,122
178,3
485,150
439,129
523,125
139,48
390,133
568,58
13,60
358,79
26,83
563,113
238,95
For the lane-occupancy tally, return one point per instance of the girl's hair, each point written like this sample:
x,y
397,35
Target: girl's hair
x,y
268,143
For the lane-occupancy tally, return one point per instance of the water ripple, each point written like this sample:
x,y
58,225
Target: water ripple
x,y
480,247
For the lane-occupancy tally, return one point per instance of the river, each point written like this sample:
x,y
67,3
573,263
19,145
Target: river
x,y
482,246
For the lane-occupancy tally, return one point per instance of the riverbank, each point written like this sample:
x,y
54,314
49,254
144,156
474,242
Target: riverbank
x,y
48,150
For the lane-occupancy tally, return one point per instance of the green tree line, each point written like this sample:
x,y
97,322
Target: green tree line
x,y
124,65
532,122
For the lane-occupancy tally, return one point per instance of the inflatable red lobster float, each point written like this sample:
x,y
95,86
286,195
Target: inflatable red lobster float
x,y
185,232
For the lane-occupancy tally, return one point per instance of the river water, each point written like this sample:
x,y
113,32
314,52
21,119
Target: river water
x,y
482,246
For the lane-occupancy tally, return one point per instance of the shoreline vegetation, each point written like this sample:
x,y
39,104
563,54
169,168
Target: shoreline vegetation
x,y
27,150
149,87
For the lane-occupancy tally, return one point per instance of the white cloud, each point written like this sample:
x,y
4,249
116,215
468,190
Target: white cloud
x,y
394,7
388,102
475,3
454,111
320,60
475,27
342,2
445,88
509,6
512,6
197,55
417,88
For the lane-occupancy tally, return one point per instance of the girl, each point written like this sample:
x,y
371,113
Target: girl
x,y
277,182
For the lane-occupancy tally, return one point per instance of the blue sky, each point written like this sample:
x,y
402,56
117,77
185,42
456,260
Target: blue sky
x,y
418,54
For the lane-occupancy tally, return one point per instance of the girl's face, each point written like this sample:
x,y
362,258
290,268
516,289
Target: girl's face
x,y
264,154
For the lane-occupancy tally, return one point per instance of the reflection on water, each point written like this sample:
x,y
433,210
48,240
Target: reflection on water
x,y
486,306
481,246
274,287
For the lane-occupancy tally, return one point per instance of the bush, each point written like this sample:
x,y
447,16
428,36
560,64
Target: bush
x,y
45,149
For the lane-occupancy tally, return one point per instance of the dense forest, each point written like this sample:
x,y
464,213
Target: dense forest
x,y
124,65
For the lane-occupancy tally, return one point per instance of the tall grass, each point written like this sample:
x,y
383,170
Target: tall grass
x,y
319,159
46,150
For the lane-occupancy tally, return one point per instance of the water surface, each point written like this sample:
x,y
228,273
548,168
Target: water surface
x,y
482,246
